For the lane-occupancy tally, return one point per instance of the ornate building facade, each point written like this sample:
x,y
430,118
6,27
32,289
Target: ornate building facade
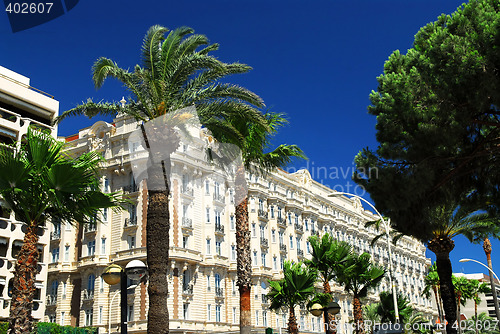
x,y
21,107
284,210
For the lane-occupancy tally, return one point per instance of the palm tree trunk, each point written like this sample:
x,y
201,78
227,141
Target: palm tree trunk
x,y
487,251
459,297
442,248
292,322
330,326
23,291
358,315
158,230
438,304
475,315
243,259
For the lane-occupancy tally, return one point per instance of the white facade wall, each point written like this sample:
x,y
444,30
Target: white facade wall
x,y
203,295
22,106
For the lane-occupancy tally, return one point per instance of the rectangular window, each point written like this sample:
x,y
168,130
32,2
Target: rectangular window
x,y
262,232
208,215
103,246
91,248
217,218
185,241
263,258
66,253
130,312
291,242
234,315
185,311
105,214
254,258
257,318
89,314
101,284
62,318
208,246
231,221
55,255
131,241
207,187
254,230
272,211
208,282
209,313
264,318
306,224
217,313
273,235
64,290
218,247
233,252
100,314
275,263
298,243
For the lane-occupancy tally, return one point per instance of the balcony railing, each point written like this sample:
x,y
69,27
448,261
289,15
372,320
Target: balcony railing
x,y
219,292
187,289
300,253
299,228
282,248
88,294
265,299
219,198
187,222
132,188
186,190
51,300
219,228
262,214
264,242
55,235
281,221
90,228
130,222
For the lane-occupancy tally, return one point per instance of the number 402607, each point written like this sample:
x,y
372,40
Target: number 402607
x,y
29,8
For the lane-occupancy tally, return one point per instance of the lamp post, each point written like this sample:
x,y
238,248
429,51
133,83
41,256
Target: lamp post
x,y
317,310
389,249
114,274
493,288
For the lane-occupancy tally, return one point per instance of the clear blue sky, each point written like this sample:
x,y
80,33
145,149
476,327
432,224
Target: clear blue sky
x,y
316,61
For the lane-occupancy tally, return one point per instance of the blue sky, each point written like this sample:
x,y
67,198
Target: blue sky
x,y
316,61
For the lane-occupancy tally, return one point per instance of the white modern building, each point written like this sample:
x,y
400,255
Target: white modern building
x,y
285,209
487,304
21,107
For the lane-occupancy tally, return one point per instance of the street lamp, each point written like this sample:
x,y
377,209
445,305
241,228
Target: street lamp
x,y
493,288
317,310
114,274
386,226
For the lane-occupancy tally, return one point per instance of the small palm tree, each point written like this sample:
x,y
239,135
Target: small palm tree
x,y
296,287
41,184
386,310
177,71
358,275
328,255
476,288
431,282
483,323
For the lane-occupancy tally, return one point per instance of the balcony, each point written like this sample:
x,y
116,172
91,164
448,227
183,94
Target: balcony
x,y
55,235
188,191
132,188
219,292
90,228
88,294
219,228
262,214
264,299
219,198
51,300
264,242
300,253
187,289
281,222
282,248
187,223
299,228
130,222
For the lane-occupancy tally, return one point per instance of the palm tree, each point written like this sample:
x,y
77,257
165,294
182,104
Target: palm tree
x,y
328,255
40,184
358,275
176,72
256,158
431,281
443,224
463,292
386,310
296,287
484,323
477,288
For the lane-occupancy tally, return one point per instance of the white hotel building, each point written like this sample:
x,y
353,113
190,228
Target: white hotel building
x,y
285,209
21,107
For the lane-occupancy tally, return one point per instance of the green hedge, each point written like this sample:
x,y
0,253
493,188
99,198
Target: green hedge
x,y
53,328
